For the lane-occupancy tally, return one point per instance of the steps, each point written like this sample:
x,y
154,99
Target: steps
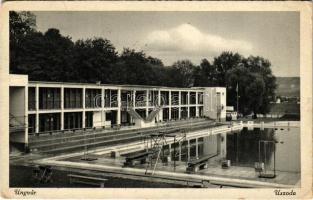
x,y
153,114
92,139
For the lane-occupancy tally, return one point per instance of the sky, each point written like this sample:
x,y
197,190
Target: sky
x,y
173,36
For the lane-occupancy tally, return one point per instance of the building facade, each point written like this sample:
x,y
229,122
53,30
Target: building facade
x,y
42,107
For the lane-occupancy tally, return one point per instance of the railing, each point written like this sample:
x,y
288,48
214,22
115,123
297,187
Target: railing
x,y
16,123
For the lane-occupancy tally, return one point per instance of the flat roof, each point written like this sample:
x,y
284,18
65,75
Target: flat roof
x,y
113,85
73,84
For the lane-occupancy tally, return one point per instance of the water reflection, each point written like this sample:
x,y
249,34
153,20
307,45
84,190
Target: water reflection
x,y
243,148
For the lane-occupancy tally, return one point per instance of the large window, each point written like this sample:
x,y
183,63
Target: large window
x,y
184,98
127,98
141,98
31,123
174,113
164,98
93,98
200,98
175,98
49,98
153,98
49,122
31,98
192,111
110,98
192,98
184,112
72,120
73,98
89,120
166,114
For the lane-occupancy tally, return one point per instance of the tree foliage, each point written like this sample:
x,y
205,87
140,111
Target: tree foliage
x,y
50,56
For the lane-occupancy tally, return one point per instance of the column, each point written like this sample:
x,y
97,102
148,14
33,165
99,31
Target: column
x,y
147,103
26,115
159,97
170,105
84,106
134,99
197,107
102,108
62,108
102,98
188,103
179,104
37,108
119,104
160,116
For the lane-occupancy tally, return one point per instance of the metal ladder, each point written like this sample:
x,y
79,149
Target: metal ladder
x,y
159,148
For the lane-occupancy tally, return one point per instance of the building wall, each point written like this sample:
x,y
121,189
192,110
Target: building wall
x,y
214,103
17,111
110,98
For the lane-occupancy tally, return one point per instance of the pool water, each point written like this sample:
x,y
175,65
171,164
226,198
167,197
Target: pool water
x,y
243,148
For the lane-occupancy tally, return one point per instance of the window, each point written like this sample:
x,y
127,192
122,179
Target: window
x,y
72,98
31,98
49,98
49,122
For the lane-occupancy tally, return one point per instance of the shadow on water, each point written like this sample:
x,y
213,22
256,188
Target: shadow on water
x,y
243,148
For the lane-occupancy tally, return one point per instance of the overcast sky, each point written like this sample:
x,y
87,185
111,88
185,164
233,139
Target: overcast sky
x,y
171,36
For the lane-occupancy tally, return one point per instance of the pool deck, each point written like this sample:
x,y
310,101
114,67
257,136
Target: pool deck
x,y
236,176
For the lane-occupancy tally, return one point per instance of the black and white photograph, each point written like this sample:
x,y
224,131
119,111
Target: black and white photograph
x,y
202,100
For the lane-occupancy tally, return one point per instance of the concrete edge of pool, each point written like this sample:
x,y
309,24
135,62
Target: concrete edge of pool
x,y
165,176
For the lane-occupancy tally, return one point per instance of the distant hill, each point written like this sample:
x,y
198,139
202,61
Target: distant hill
x,y
288,86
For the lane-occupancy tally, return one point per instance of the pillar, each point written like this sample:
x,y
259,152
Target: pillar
x,y
26,116
170,105
84,106
160,116
197,107
134,98
188,103
147,103
119,104
179,104
62,108
102,107
37,108
102,98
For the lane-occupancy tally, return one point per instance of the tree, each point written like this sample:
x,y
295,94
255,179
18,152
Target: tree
x,y
262,67
205,74
223,63
255,94
94,60
182,73
241,76
21,25
44,56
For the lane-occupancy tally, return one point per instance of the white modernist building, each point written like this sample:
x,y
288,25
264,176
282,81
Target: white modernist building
x,y
41,107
